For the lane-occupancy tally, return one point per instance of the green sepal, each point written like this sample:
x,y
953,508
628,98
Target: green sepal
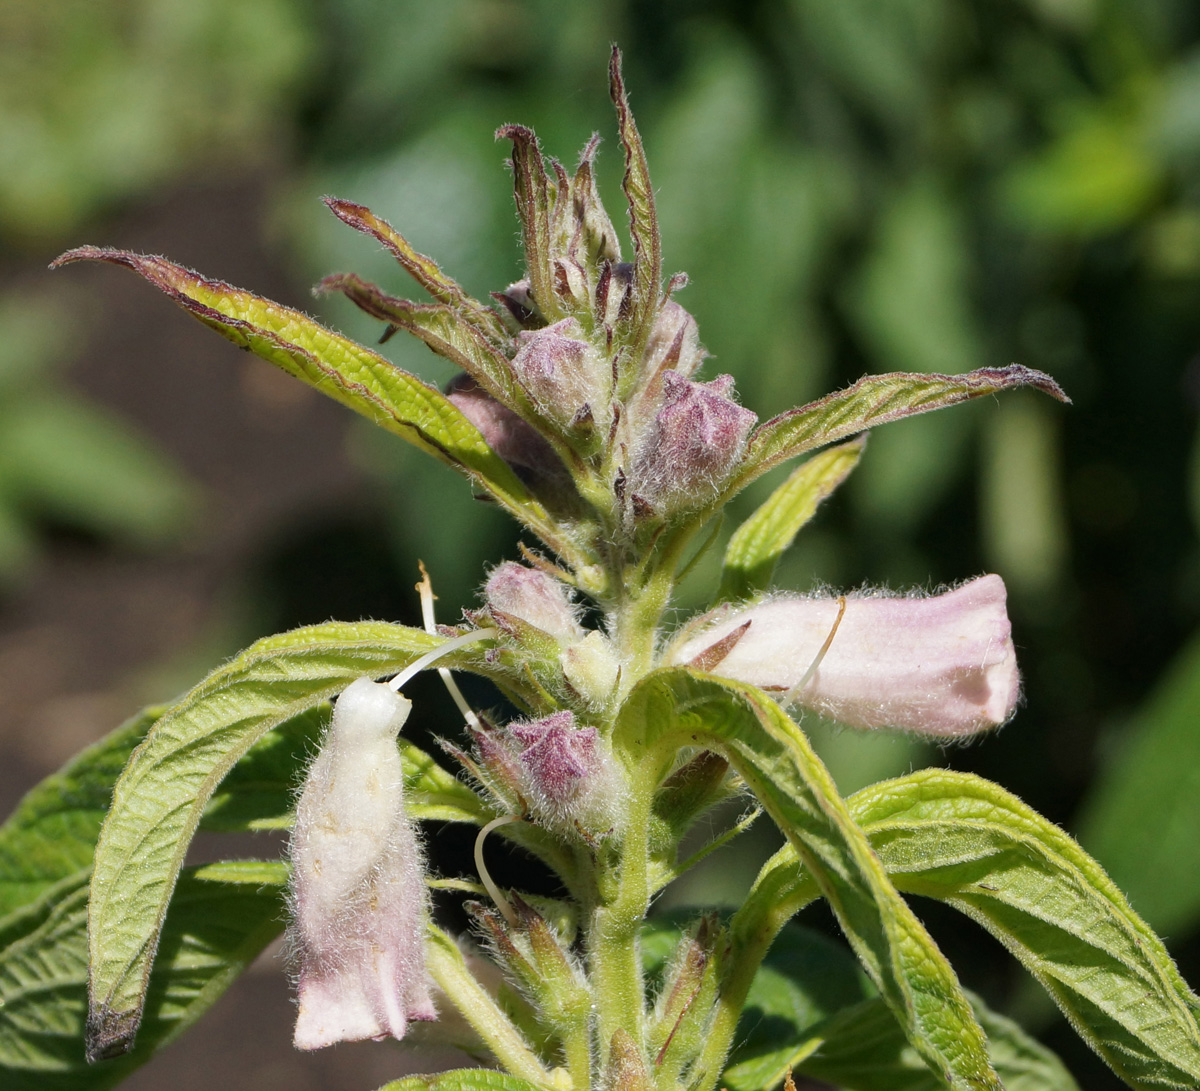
x,y
760,541
643,222
533,193
462,1079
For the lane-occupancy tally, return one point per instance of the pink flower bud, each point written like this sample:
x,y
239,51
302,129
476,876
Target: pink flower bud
x,y
505,432
674,342
535,598
941,666
358,884
694,441
561,372
570,777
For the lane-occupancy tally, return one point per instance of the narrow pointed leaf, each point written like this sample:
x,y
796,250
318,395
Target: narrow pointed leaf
x,y
681,707
424,270
217,925
337,366
161,795
643,219
534,207
874,400
442,328
757,545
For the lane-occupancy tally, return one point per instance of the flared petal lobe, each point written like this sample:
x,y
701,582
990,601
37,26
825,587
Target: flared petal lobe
x,y
358,887
943,665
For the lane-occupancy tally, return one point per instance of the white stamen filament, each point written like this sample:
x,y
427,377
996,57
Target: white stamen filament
x,y
414,668
793,694
425,590
501,901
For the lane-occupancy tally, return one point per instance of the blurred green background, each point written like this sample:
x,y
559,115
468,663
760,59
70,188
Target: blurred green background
x,y
853,186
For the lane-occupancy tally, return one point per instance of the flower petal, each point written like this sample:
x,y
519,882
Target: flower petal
x,y
943,665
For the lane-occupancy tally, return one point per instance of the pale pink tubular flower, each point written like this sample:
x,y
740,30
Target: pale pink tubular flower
x,y
942,665
358,883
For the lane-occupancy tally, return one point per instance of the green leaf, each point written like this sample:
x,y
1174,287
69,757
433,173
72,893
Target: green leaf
x,y
643,220
425,271
159,799
335,365
441,327
757,545
214,930
52,833
462,1079
678,707
969,843
1150,783
874,400
864,1048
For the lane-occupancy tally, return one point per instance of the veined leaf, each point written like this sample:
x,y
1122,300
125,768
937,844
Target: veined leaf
x,y
876,399
462,1079
52,833
159,799
214,930
677,707
442,328
967,842
757,545
425,271
337,366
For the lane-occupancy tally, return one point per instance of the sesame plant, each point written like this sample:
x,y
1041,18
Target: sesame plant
x,y
581,412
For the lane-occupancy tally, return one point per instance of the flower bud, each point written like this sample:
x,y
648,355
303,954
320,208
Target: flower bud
x,y
533,597
674,342
570,777
358,886
591,668
561,372
942,666
692,444
505,432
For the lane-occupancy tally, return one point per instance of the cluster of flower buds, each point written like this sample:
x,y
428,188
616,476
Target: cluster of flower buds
x,y
583,378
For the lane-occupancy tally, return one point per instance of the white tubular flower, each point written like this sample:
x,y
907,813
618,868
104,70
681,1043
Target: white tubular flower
x,y
943,665
358,886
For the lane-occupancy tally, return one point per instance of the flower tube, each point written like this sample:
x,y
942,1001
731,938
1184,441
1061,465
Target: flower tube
x,y
943,665
358,884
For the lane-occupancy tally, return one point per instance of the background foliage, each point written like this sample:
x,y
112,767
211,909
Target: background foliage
x,y
857,186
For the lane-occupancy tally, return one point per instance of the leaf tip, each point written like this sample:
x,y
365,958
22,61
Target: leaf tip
x,y
110,1034
93,253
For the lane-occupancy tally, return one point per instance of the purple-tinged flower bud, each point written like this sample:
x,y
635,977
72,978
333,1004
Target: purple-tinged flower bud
x,y
561,372
570,777
942,666
534,597
519,304
674,343
692,444
507,434
358,883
